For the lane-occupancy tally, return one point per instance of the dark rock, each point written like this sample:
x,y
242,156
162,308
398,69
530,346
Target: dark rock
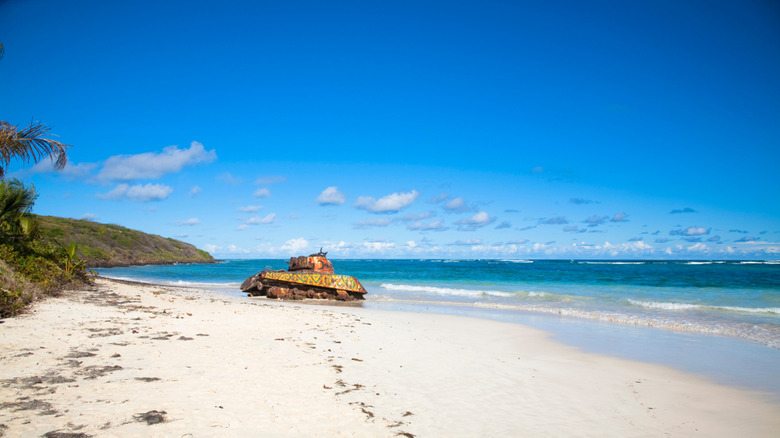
x,y
58,434
151,417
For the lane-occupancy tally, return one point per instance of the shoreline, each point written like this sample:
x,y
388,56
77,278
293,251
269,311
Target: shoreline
x,y
669,324
721,355
732,361
115,360
756,325
708,352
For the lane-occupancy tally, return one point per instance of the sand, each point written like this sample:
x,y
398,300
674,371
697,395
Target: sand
x,y
142,360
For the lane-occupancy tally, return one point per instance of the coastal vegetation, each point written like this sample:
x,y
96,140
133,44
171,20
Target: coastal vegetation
x,y
106,245
43,255
30,265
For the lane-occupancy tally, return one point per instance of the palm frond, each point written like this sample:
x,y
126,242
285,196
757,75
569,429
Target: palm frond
x,y
15,199
30,144
16,203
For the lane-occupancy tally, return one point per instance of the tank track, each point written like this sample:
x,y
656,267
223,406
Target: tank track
x,y
289,291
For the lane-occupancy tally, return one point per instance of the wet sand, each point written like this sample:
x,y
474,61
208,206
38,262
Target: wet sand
x,y
129,360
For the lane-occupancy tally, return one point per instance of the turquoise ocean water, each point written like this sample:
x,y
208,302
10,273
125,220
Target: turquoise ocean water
x,y
687,314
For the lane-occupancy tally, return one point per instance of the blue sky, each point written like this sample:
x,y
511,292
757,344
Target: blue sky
x,y
459,129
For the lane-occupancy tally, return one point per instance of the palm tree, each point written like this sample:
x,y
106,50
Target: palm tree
x,y
30,144
16,202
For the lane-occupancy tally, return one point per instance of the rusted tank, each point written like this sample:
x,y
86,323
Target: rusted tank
x,y
306,277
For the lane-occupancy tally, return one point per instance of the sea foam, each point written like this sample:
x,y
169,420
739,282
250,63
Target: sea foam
x,y
663,305
444,290
686,306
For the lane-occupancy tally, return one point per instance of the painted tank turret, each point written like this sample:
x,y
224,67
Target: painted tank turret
x,y
306,277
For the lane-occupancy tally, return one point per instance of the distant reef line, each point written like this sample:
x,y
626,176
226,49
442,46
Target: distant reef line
x,y
108,245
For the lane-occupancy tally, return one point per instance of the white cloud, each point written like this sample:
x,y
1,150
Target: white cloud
x,y
331,196
230,249
266,180
559,220
295,246
696,231
138,192
469,242
581,201
249,208
211,248
690,231
620,217
71,171
152,165
641,246
189,222
419,216
699,247
504,225
148,192
378,246
255,220
757,247
388,204
368,223
340,245
622,250
437,225
457,205
479,220
539,247
262,192
195,191
233,249
90,216
595,220
682,210
77,171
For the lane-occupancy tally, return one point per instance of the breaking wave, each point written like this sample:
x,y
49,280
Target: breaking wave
x,y
766,334
686,306
444,290
178,283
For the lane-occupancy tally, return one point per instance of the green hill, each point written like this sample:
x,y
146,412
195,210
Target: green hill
x,y
106,245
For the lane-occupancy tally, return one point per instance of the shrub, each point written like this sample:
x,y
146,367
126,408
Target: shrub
x,y
42,267
30,263
94,253
15,292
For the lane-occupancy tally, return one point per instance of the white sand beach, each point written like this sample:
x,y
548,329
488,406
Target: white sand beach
x,y
143,360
